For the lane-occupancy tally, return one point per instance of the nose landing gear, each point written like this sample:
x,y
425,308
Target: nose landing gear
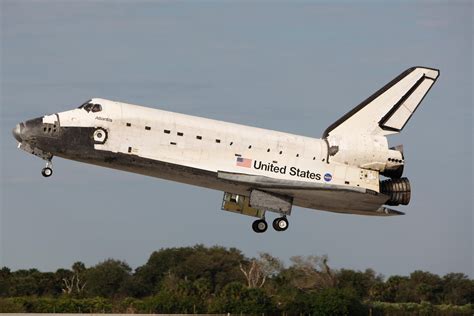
x,y
48,170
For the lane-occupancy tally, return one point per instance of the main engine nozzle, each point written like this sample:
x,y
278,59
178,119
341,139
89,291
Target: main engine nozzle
x,y
398,190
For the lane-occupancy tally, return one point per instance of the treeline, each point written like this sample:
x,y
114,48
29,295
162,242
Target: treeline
x,y
220,280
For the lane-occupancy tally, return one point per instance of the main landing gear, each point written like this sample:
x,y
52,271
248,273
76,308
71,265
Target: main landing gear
x,y
279,224
48,170
241,204
260,226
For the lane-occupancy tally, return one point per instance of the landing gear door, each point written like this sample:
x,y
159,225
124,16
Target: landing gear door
x,y
240,204
271,202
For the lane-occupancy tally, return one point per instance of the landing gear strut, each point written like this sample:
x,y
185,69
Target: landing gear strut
x,y
48,170
260,226
280,224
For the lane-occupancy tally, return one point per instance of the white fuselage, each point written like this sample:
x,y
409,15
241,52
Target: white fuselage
x,y
214,146
270,170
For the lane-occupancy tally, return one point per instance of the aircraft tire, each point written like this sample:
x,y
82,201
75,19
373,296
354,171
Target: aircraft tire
x,y
259,226
47,172
280,224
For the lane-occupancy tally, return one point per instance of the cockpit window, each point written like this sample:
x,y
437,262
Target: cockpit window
x,y
84,104
96,108
88,107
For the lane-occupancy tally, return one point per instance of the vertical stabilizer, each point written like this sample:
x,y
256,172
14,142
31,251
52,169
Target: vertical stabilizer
x,y
388,110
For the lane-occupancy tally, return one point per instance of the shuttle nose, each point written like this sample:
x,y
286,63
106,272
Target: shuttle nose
x,y
17,133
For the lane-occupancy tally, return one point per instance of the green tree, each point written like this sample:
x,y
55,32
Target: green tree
x,y
5,280
398,289
361,282
425,286
219,265
333,301
185,295
160,263
301,303
134,287
78,267
457,289
107,278
46,284
24,283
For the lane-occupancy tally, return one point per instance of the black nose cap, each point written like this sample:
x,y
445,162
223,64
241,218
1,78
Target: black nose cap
x,y
17,133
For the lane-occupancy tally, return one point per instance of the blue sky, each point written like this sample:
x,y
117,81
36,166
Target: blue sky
x,y
290,66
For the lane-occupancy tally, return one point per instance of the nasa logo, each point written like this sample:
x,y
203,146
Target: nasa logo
x,y
327,177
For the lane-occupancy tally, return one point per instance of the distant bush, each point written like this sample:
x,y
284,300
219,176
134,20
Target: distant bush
x,y
329,301
10,305
333,301
236,298
424,308
56,305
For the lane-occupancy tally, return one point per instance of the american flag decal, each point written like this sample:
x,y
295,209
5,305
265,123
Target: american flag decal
x,y
244,162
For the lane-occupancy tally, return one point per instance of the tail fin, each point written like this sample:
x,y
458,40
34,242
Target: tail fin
x,y
389,109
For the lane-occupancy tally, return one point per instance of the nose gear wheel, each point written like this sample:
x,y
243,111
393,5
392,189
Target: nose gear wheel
x,y
48,170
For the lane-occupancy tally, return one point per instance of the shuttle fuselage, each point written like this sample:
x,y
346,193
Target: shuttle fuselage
x,y
260,170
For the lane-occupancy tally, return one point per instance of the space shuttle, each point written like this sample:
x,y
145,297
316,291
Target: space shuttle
x,y
352,169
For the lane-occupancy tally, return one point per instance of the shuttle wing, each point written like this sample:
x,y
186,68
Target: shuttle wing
x,y
323,196
389,109
273,183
